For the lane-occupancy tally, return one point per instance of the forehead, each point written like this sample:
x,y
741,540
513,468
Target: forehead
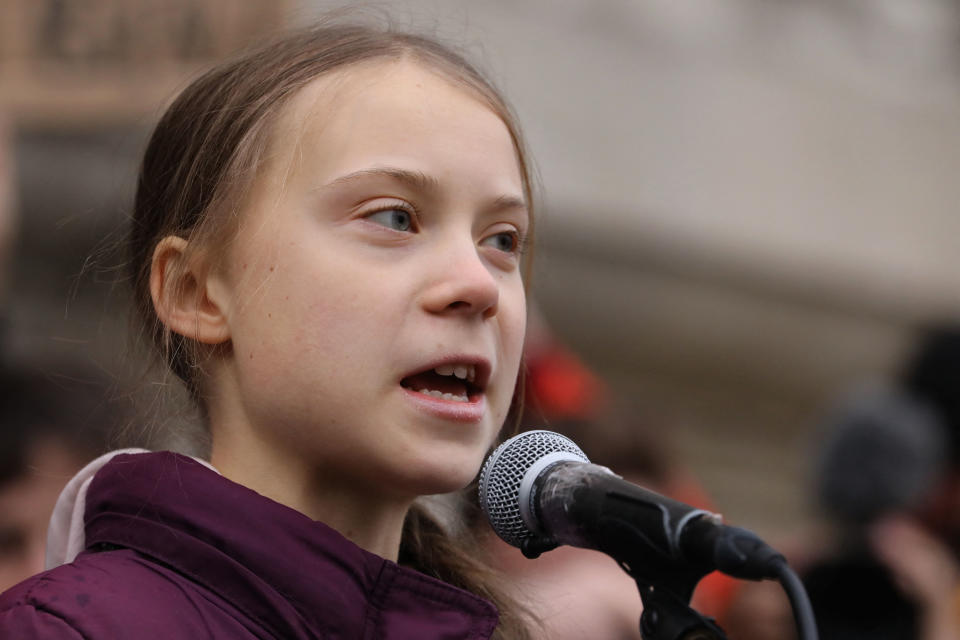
x,y
389,107
397,83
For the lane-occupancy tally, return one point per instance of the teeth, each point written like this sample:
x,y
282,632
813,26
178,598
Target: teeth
x,y
463,371
445,396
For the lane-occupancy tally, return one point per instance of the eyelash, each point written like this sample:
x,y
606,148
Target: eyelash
x,y
520,239
397,206
519,242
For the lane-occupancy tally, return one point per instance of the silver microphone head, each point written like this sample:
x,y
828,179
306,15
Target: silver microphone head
x,y
508,474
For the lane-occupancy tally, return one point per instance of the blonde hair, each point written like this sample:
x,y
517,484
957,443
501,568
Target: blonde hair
x,y
197,172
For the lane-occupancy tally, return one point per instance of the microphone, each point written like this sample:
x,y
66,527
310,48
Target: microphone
x,y
539,490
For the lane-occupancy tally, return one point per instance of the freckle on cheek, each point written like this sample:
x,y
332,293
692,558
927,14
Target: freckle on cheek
x,y
251,355
271,268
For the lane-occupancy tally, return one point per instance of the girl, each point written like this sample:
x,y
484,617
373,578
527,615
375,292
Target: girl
x,y
327,248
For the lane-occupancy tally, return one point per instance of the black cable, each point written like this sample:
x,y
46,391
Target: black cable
x,y
802,611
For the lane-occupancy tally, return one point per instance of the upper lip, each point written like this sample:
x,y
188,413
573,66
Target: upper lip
x,y
482,368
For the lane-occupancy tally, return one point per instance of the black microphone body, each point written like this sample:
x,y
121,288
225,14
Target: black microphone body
x,y
654,538
539,490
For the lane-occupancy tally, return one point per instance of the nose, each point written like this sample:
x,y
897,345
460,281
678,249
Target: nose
x,y
464,285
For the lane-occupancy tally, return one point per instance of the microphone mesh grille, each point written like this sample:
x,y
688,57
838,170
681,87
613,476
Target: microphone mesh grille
x,y
502,475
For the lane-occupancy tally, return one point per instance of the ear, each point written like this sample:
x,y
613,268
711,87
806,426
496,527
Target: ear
x,y
179,288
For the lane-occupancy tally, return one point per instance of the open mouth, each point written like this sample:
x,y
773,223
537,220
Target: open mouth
x,y
454,382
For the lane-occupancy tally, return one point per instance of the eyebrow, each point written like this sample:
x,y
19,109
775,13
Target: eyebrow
x,y
417,180
509,202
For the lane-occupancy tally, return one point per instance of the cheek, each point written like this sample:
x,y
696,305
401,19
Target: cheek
x,y
335,316
334,328
320,343
514,322
513,319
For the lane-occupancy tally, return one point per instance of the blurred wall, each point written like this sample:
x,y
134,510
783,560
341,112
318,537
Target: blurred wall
x,y
747,205
82,82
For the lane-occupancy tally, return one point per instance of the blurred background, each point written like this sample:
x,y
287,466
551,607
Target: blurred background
x,y
748,206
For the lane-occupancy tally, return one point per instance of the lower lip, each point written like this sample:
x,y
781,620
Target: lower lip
x,y
471,411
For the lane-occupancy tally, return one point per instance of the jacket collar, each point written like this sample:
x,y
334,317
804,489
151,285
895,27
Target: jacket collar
x,y
295,576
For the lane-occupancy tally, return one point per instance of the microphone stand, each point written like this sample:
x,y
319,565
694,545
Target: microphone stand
x,y
666,611
667,617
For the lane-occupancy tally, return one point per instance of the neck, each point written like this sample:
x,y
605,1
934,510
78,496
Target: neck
x,y
367,518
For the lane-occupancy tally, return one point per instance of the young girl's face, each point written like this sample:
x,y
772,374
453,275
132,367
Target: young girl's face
x,y
373,292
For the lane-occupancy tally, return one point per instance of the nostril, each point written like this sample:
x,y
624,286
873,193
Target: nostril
x,y
462,290
487,310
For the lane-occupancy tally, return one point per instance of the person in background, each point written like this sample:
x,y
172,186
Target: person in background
x,y
54,416
921,547
888,477
8,208
9,218
52,422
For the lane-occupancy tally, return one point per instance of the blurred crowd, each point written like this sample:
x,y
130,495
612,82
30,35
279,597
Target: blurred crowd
x,y
55,416
882,560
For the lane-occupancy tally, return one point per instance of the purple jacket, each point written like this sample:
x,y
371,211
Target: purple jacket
x,y
174,550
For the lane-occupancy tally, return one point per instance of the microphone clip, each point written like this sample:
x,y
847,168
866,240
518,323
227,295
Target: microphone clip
x,y
532,547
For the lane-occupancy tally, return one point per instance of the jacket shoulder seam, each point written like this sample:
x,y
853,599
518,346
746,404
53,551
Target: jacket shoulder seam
x,y
40,608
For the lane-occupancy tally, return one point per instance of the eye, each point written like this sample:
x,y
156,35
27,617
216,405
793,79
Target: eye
x,y
505,241
394,218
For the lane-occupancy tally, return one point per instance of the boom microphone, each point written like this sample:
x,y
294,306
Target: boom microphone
x,y
539,490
